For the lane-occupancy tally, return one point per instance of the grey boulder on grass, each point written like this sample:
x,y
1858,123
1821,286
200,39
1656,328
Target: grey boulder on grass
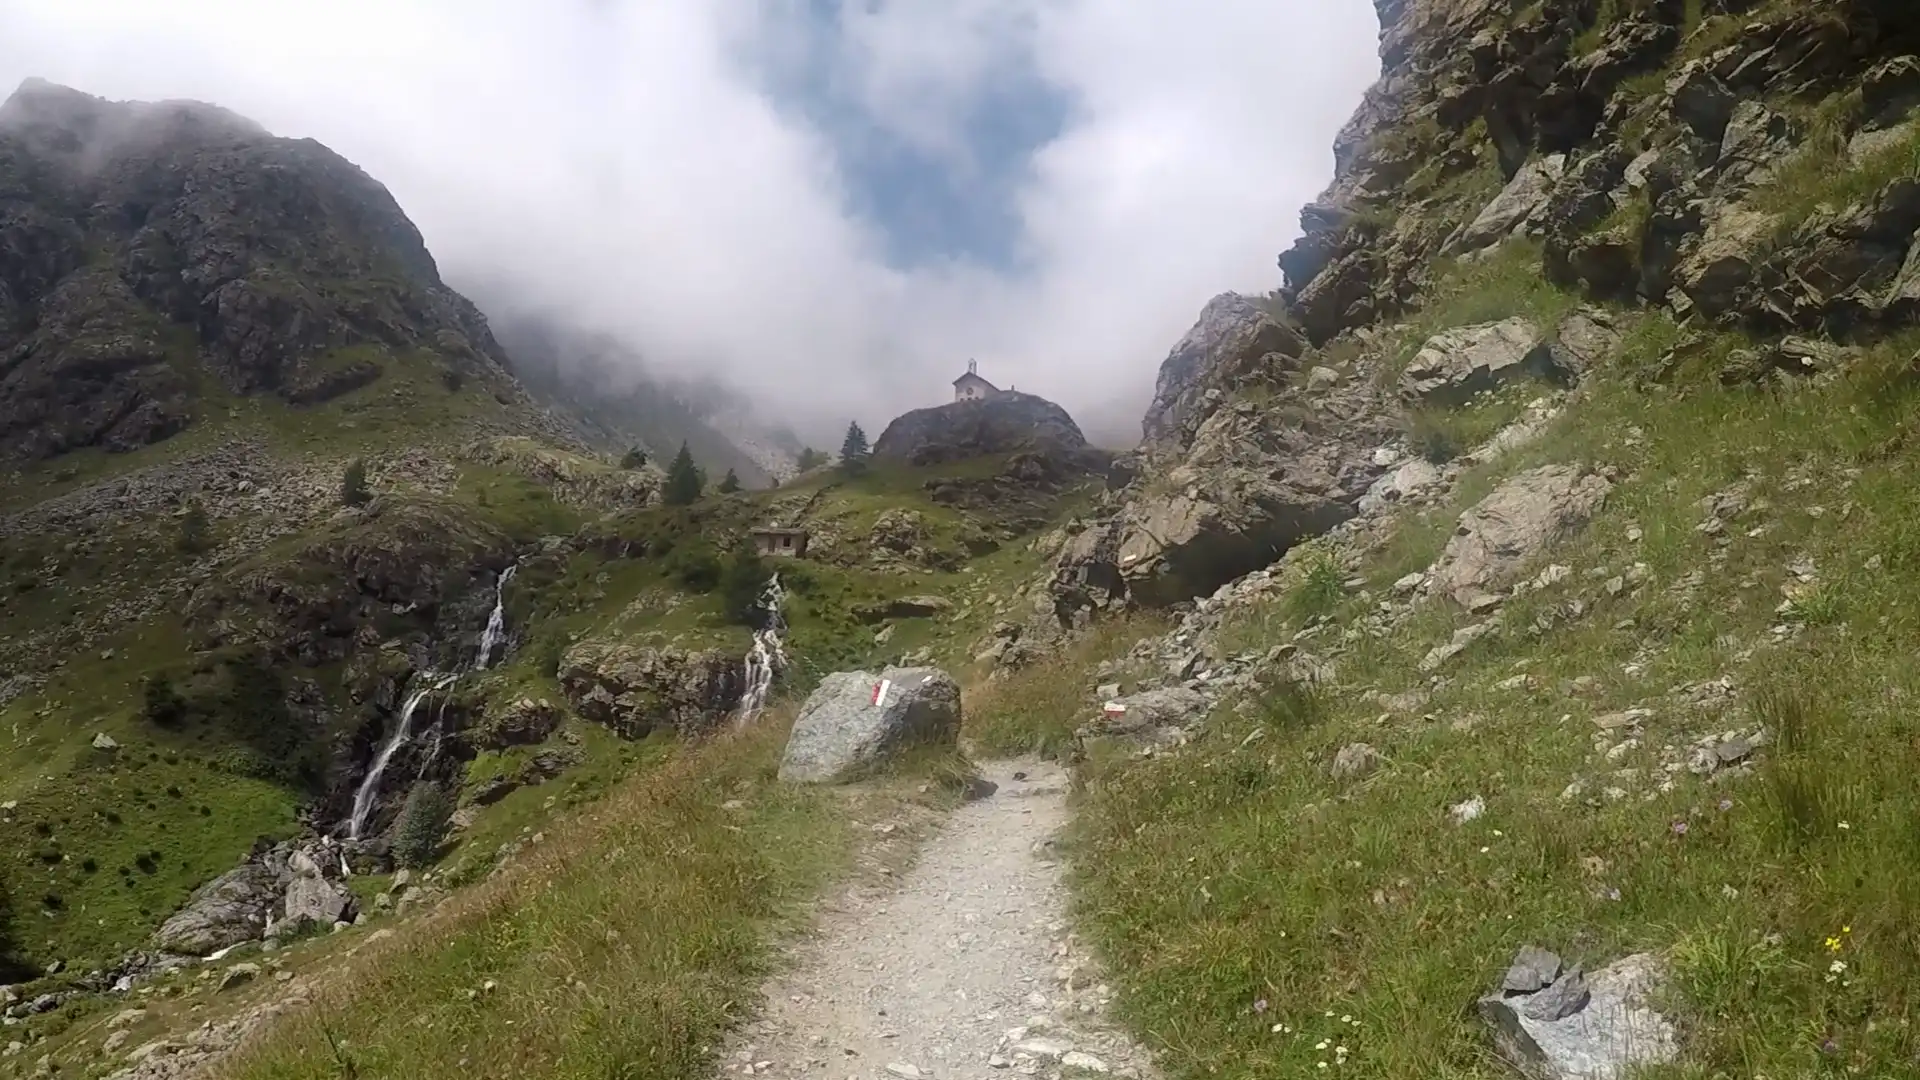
x,y
842,732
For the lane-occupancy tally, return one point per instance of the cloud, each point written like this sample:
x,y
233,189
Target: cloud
x,y
833,203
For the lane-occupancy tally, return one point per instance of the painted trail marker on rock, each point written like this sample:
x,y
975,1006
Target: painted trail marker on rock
x,y
880,693
1114,708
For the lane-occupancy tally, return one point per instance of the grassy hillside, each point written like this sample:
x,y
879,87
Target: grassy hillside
x,y
1264,913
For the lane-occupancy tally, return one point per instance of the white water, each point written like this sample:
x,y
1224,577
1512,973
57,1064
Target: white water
x,y
363,799
496,630
768,655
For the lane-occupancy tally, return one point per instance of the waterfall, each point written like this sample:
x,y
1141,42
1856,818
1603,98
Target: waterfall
x,y
369,792
496,630
768,655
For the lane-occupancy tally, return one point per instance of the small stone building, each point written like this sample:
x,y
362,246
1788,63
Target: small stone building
x,y
778,542
971,387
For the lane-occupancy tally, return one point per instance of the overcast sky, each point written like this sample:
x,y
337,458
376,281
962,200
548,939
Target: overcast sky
x,y
833,202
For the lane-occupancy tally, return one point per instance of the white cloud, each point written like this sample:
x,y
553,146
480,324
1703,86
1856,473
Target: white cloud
x,y
628,163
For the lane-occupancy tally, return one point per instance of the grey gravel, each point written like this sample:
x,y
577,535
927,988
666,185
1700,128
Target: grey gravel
x,y
964,966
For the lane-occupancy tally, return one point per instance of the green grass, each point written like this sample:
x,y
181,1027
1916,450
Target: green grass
x,y
1035,709
624,945
1504,283
1238,887
103,845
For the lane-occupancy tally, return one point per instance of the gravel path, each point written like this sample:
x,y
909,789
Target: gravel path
x,y
961,969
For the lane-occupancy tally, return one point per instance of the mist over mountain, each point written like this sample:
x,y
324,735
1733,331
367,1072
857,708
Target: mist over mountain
x,y
830,207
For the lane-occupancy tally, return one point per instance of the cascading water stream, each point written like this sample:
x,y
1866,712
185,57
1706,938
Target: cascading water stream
x,y
363,799
768,655
491,639
496,630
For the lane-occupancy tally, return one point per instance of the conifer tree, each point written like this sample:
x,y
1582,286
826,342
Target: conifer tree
x,y
729,483
683,480
853,449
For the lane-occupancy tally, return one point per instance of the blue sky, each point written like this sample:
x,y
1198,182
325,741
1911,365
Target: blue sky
x,y
831,203
930,204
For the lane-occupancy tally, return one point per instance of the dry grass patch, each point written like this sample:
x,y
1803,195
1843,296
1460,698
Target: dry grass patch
x,y
624,945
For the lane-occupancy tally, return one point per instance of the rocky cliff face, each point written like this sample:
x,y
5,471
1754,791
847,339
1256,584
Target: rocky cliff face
x,y
1006,423
150,251
1656,149
1736,163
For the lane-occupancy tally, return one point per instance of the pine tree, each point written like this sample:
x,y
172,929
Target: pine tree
x,y
636,458
810,458
683,480
729,483
353,485
423,824
853,449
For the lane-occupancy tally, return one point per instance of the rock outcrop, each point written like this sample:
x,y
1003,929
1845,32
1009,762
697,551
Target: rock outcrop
x,y
1232,341
1498,536
636,690
1004,423
279,890
1245,456
855,720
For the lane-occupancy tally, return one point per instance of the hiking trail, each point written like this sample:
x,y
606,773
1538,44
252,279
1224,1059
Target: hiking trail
x,y
960,968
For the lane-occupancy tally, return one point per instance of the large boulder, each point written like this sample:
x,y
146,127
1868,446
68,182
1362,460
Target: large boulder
x,y
1558,1023
1719,265
1003,423
230,909
842,732
312,897
1454,365
1500,534
1255,482
1230,339
1524,197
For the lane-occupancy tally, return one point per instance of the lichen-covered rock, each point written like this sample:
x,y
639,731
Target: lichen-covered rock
x,y
1557,1025
1524,197
636,689
1454,365
1523,517
843,731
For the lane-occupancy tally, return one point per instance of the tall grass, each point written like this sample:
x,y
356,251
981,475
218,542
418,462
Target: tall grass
x,y
1035,709
622,946
1258,913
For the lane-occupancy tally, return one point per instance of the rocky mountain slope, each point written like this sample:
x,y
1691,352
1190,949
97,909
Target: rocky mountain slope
x,y
162,259
311,615
1532,697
